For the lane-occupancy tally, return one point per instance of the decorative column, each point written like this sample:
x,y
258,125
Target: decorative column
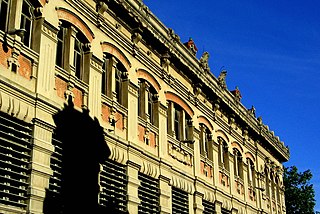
x,y
165,195
40,165
133,185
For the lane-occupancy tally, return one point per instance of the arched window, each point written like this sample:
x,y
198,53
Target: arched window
x,y
72,44
147,102
238,168
179,123
4,14
113,75
205,142
223,154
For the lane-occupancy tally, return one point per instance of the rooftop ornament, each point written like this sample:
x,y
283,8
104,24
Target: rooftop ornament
x,y
204,61
237,94
222,79
191,46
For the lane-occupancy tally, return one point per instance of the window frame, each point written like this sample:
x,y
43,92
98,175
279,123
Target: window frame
x,y
238,166
4,15
24,19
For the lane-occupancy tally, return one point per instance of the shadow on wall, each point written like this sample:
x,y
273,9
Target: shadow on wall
x,y
83,149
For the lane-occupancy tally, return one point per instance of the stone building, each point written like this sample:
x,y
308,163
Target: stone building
x,y
179,140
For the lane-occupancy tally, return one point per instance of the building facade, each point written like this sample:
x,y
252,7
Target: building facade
x,y
180,141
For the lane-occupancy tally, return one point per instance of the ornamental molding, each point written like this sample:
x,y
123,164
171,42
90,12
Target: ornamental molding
x,y
15,107
149,169
182,184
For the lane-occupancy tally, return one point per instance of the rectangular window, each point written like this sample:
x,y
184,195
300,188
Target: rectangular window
x,y
113,180
177,122
180,201
78,57
104,76
15,158
4,14
148,193
26,22
53,203
208,206
118,85
60,47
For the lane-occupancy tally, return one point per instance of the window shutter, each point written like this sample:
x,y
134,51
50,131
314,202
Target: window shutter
x,y
15,148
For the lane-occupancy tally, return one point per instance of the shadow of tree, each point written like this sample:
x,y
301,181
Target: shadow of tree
x,y
84,148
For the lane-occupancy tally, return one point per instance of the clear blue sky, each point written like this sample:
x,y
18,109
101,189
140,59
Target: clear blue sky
x,y
271,50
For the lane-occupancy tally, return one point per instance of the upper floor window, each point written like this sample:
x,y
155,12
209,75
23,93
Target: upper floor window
x,y
238,171
205,142
147,101
4,14
67,36
179,123
223,153
113,76
61,47
26,22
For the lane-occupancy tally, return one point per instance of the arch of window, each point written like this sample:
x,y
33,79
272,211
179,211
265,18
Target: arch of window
x,y
204,120
221,134
107,47
176,99
143,74
68,16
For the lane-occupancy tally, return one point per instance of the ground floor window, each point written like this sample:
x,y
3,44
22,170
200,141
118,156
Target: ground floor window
x,y
148,194
15,150
180,201
208,206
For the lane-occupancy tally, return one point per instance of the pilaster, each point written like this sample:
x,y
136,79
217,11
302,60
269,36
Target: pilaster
x,y
196,153
163,141
218,207
40,166
133,185
165,195
94,96
47,55
132,112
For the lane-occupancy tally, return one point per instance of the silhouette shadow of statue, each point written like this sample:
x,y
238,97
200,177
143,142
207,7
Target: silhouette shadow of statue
x,y
84,148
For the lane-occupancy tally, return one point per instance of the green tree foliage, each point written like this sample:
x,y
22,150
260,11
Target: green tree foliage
x,y
299,193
